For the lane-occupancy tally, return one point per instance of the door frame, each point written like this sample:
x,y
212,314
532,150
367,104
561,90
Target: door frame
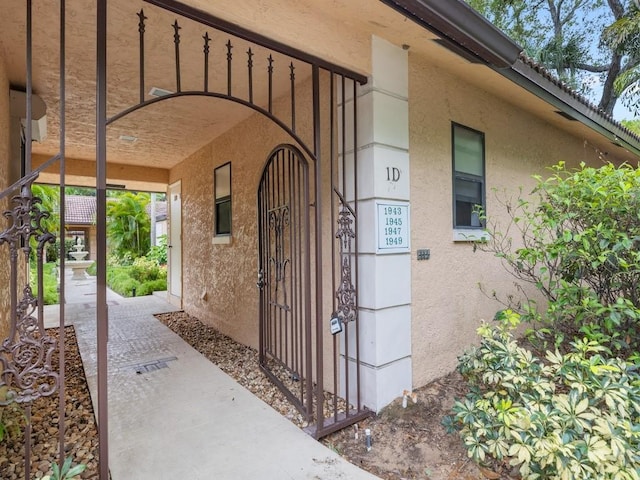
x,y
174,244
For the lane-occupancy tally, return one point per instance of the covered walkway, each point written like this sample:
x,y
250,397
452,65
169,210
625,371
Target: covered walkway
x,y
173,414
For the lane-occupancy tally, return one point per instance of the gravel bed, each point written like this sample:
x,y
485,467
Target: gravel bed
x,y
81,435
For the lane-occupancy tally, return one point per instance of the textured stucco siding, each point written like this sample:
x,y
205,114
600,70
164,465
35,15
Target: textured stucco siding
x,y
226,273
4,176
219,280
447,302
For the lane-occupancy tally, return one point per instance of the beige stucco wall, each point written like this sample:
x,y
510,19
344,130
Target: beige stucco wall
x,y
226,272
4,169
447,304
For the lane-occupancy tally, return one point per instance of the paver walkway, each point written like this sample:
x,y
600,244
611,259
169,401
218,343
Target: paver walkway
x,y
175,415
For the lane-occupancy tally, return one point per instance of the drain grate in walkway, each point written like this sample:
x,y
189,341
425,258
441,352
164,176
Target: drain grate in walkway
x,y
153,365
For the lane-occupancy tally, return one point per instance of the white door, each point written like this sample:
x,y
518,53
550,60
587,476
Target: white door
x,y
175,244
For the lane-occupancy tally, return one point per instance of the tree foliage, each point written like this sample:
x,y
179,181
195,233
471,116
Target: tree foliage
x,y
49,202
633,125
128,225
623,37
576,39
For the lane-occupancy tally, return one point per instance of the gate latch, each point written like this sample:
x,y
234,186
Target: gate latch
x,y
260,283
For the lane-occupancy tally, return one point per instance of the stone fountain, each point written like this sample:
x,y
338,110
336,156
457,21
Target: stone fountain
x,y
79,264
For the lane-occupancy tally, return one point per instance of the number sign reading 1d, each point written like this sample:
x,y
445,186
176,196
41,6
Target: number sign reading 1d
x,y
393,227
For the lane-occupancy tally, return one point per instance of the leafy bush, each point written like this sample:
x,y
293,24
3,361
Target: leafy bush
x,y
92,269
53,250
566,416
12,419
123,284
580,247
144,270
144,277
147,288
158,253
122,260
50,281
571,411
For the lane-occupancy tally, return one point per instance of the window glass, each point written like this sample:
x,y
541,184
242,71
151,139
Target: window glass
x,y
222,188
468,178
468,151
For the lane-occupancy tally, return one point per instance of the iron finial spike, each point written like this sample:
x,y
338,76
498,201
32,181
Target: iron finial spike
x,y
142,17
229,57
292,75
250,72
206,48
176,41
141,29
270,72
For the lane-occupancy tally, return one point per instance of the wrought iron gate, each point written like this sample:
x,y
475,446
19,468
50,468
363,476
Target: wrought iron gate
x,y
285,277
307,223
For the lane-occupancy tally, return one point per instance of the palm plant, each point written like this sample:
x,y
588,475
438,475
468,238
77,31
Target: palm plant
x,y
128,225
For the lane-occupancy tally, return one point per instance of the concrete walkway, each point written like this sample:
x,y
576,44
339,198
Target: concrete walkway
x,y
175,415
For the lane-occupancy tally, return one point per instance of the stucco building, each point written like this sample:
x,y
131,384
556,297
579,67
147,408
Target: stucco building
x,y
330,152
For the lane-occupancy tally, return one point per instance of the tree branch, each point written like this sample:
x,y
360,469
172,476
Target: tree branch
x,y
592,68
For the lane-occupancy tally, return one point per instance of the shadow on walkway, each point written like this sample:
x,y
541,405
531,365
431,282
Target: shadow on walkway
x,y
175,415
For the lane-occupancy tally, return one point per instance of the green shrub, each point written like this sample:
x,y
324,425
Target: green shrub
x,y
12,418
92,269
569,407
53,249
579,245
144,276
565,416
122,260
121,282
147,288
158,253
145,270
50,281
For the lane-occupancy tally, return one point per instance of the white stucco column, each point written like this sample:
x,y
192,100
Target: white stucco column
x,y
384,261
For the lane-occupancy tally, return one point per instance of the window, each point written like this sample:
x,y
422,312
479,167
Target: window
x,y
468,176
222,189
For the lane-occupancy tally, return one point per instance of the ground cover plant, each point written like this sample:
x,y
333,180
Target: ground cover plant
x,y
564,401
131,278
50,281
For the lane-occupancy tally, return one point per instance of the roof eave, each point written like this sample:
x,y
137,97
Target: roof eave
x,y
576,108
467,33
461,26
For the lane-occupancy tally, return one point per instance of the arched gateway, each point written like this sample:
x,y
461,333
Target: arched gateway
x,y
307,207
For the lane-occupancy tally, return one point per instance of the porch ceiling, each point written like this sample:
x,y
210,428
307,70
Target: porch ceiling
x,y
169,131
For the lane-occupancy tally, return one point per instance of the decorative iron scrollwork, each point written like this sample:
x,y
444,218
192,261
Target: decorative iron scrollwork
x,y
278,221
26,354
346,294
345,231
25,223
